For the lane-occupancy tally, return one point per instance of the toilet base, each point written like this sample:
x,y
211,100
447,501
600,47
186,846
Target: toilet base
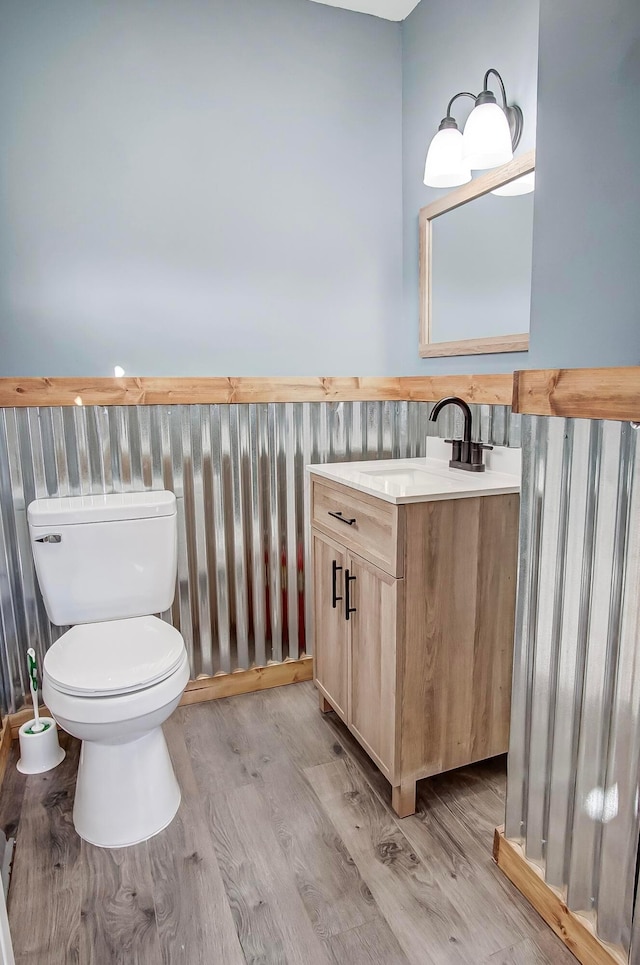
x,y
125,792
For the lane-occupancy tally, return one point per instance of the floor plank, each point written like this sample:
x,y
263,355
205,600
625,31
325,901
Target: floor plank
x,y
294,719
370,944
494,772
118,924
533,952
469,886
550,949
46,885
13,789
522,953
228,742
470,798
426,923
195,924
334,895
374,777
271,920
475,848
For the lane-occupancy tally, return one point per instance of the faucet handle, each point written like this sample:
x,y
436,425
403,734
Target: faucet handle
x,y
476,453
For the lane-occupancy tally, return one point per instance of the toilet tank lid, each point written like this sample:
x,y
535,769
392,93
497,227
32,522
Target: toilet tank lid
x,y
65,510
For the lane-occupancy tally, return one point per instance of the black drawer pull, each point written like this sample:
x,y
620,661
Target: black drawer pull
x,y
335,569
342,518
348,579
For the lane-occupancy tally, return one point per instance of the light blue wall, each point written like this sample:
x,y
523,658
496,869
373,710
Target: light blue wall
x,y
446,48
199,187
586,249
220,186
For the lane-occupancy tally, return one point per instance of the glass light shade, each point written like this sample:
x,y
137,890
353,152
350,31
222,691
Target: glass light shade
x,y
523,185
445,166
487,138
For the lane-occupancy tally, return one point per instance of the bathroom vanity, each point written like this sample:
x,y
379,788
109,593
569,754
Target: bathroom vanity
x,y
414,596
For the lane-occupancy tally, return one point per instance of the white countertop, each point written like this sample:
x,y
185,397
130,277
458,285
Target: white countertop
x,y
422,480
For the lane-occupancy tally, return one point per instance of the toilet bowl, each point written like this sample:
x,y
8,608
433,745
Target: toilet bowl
x,y
112,685
105,563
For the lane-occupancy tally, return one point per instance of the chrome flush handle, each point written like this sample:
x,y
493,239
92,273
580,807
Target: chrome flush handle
x,y
51,538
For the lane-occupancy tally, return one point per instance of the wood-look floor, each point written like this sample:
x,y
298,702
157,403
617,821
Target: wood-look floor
x,y
284,850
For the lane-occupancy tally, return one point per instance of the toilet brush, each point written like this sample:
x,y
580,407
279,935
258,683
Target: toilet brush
x,y
39,747
37,726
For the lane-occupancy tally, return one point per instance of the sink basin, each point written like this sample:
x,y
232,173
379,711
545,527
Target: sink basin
x,y
406,476
407,481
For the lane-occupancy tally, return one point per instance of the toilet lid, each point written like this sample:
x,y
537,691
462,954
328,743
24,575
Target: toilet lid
x,y
115,657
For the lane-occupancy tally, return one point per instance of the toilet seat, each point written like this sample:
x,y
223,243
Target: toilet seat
x,y
115,657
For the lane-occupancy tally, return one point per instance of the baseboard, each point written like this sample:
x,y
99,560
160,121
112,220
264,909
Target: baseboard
x,y
248,681
204,688
576,931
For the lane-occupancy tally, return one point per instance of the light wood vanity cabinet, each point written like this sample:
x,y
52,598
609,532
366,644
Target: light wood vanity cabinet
x,y
421,670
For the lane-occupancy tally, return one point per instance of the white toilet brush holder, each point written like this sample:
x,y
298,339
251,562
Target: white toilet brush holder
x,y
39,747
39,750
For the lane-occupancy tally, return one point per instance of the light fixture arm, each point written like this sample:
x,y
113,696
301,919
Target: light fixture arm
x,y
513,113
463,93
485,86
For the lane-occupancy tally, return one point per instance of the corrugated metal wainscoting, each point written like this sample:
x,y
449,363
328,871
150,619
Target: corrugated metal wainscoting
x,y
574,762
238,474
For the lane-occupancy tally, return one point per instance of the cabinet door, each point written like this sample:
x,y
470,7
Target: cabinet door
x,y
374,597
330,665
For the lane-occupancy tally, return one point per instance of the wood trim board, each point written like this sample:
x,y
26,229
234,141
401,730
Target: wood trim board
x,y
476,346
204,688
612,393
603,393
492,389
576,931
248,681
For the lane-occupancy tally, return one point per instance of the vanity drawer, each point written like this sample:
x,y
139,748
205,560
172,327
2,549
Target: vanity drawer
x,y
370,527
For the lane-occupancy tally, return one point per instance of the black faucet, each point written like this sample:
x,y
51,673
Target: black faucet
x,y
466,454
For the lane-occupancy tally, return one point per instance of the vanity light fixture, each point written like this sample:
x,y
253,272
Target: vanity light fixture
x,y
490,137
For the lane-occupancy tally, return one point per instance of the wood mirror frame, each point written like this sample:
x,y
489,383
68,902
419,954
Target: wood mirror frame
x,y
476,188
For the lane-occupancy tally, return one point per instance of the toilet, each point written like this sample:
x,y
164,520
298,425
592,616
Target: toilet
x,y
105,565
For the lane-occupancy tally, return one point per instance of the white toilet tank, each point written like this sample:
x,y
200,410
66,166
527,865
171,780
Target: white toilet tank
x,y
105,557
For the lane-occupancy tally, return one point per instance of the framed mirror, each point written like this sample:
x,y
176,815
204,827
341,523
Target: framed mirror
x,y
475,265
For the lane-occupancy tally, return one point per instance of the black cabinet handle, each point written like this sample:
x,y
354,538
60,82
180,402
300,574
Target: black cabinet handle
x,y
342,518
348,579
335,569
